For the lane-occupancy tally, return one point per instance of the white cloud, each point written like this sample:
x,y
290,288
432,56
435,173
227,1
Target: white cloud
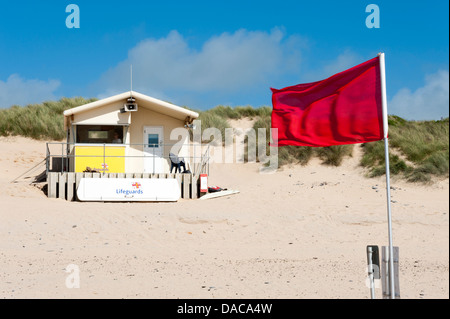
x,y
430,102
342,62
19,91
227,63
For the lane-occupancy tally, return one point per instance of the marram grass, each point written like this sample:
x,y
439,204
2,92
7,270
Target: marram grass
x,y
42,121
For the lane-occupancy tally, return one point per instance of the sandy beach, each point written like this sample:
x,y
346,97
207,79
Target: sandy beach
x,y
299,233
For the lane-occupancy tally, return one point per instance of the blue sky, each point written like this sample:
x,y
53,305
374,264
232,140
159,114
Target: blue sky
x,y
205,53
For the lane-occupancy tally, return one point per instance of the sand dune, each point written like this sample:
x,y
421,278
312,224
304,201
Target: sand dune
x,y
299,233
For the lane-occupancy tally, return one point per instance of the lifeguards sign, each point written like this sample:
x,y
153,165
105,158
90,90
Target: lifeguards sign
x,y
128,189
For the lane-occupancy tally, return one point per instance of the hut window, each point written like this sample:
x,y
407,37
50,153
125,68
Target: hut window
x,y
108,134
153,140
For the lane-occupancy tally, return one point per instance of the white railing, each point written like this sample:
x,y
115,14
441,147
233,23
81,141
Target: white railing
x,y
198,162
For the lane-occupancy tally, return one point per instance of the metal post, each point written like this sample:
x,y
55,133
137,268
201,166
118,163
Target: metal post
x,y
388,195
371,277
47,159
67,150
67,159
386,155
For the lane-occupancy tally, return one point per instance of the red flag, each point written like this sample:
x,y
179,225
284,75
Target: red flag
x,y
343,109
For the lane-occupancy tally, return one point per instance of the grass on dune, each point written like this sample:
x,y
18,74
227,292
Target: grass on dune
x,y
217,117
238,112
423,147
212,120
38,121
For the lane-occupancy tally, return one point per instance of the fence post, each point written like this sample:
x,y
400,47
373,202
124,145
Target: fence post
x,y
62,186
194,186
51,182
186,185
70,186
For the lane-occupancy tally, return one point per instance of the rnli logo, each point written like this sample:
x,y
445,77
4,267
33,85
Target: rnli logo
x,y
136,185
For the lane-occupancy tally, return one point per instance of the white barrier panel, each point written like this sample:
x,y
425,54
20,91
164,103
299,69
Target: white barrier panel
x,y
128,189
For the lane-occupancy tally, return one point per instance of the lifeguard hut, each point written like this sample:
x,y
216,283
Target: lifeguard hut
x,y
129,135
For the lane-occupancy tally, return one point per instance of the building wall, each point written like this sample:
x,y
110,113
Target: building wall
x,y
105,115
145,117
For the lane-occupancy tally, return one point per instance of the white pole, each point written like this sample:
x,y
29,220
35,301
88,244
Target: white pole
x,y
388,186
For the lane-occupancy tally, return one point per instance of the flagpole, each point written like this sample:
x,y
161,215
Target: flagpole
x,y
386,156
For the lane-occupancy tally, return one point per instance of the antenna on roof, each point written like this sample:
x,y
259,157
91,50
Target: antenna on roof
x,y
131,80
130,105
